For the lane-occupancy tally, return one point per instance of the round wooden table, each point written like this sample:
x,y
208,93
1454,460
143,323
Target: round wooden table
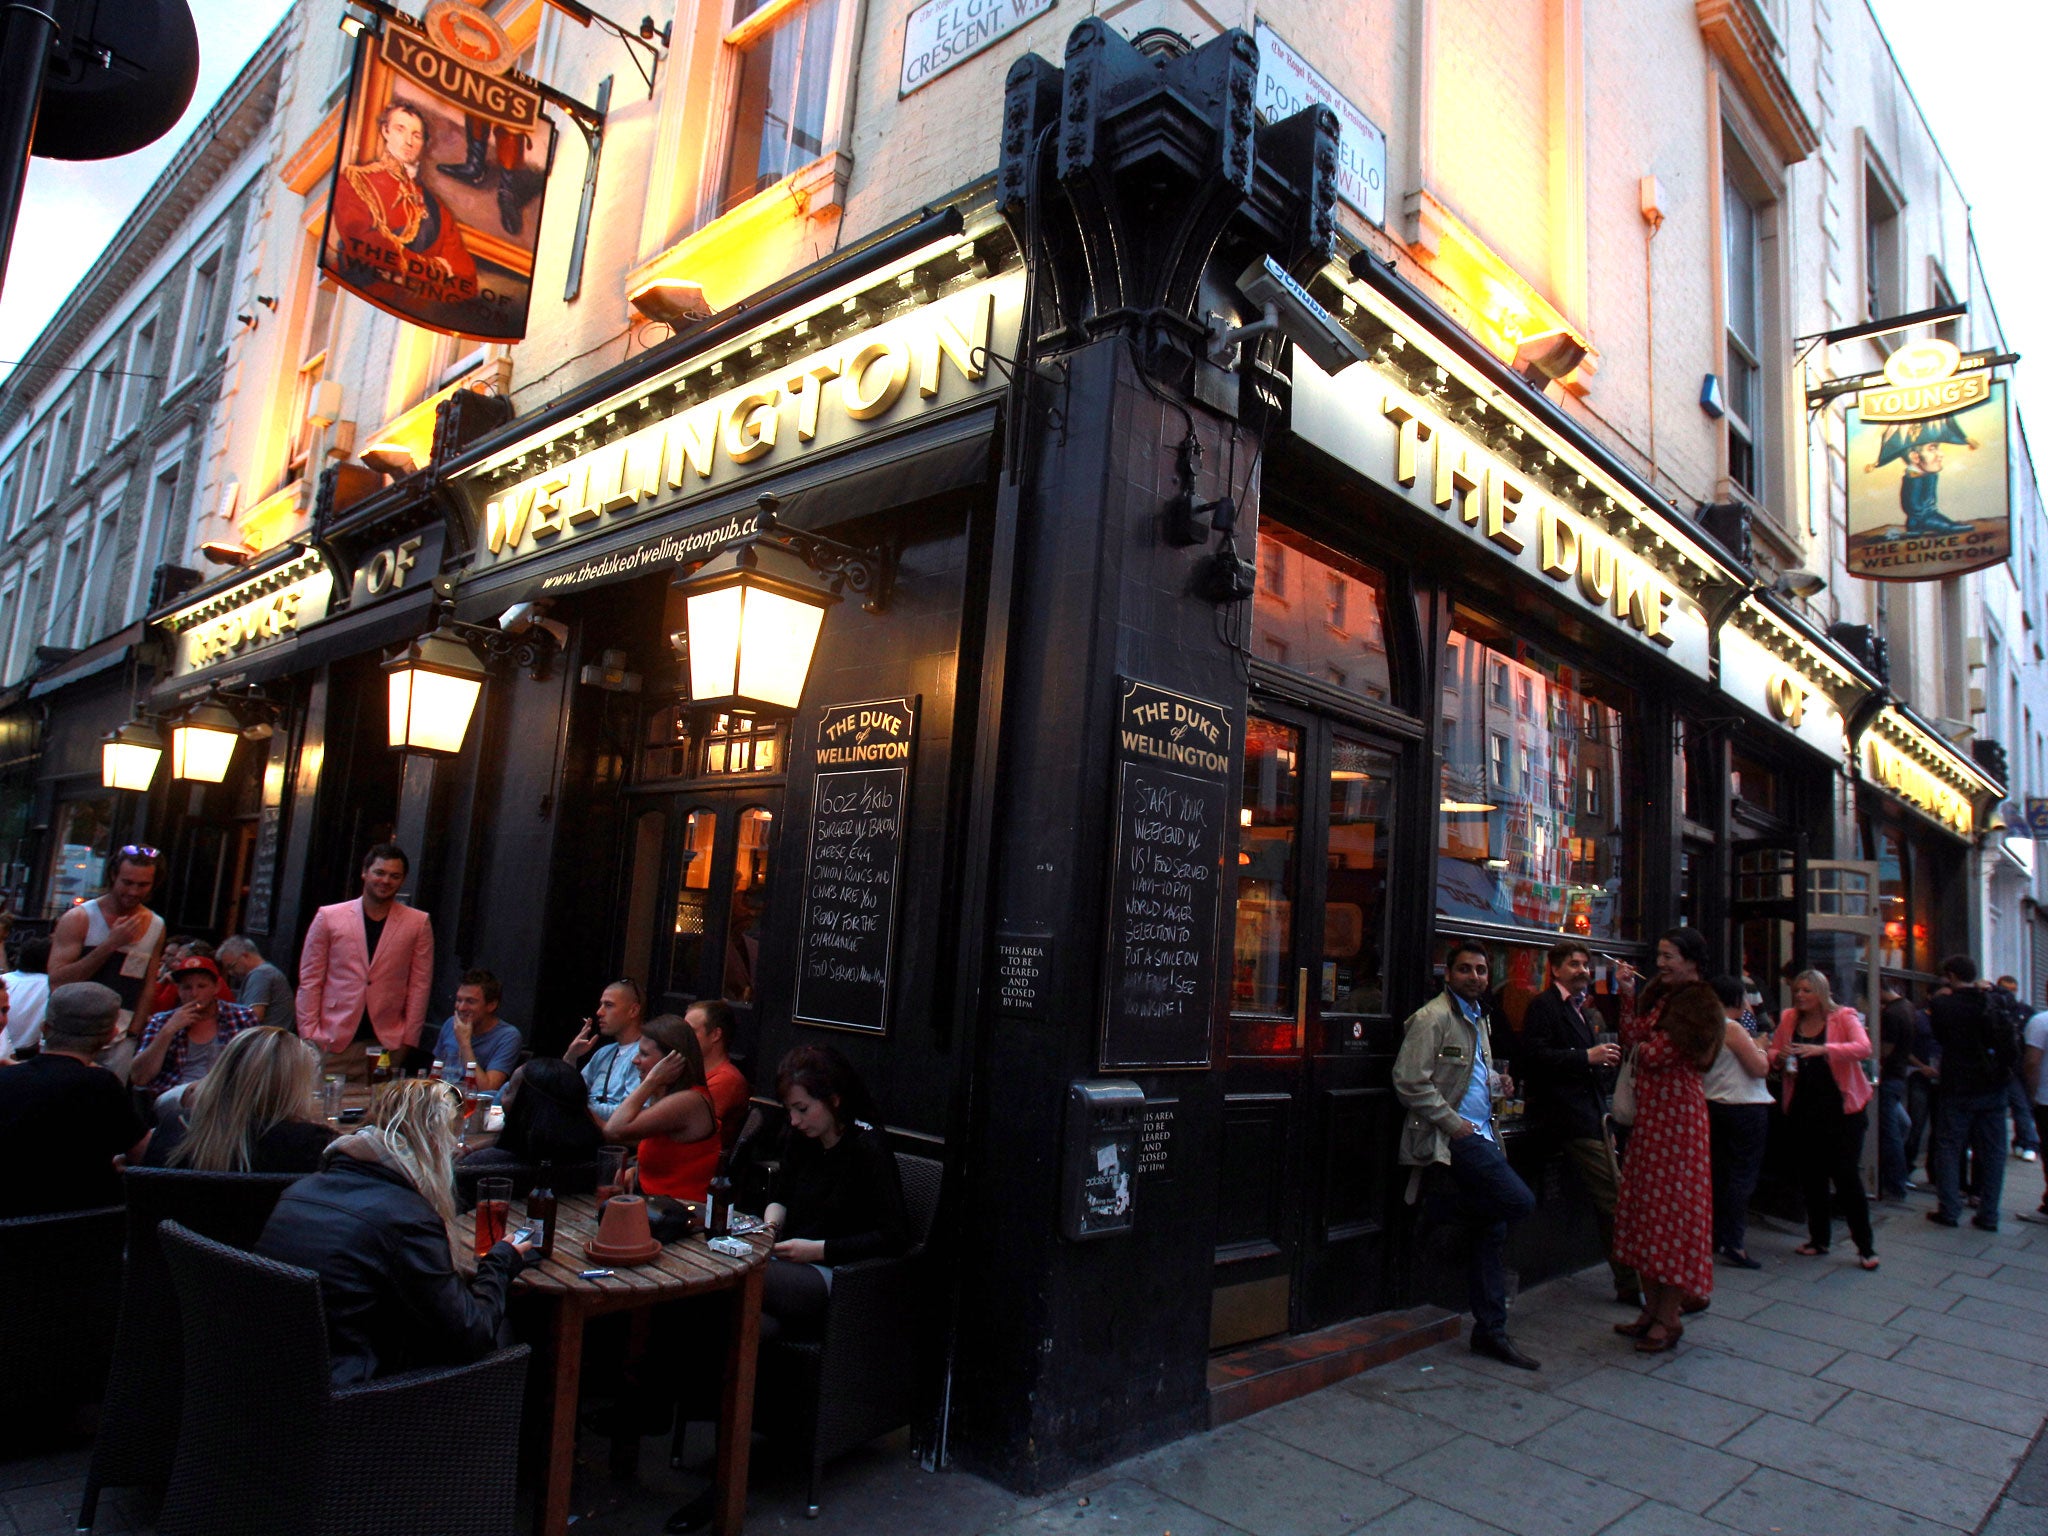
x,y
686,1267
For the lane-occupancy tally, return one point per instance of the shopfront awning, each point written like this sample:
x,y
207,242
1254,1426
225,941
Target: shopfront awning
x,y
949,456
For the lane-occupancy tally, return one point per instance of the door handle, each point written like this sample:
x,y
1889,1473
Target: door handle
x,y
1301,1008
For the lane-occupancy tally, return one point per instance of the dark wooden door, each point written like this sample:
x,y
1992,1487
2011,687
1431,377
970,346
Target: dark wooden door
x,y
717,851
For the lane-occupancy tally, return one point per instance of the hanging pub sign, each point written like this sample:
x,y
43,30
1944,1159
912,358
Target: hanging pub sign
x,y
1172,807
442,169
1929,476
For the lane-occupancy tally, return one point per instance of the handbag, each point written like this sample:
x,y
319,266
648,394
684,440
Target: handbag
x,y
1622,1111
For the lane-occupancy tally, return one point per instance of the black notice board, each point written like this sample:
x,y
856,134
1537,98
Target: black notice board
x,y
262,871
1173,782
853,864
1023,972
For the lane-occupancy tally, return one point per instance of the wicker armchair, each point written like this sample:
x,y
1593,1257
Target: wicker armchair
x,y
138,1433
61,1277
268,1444
859,1380
569,1178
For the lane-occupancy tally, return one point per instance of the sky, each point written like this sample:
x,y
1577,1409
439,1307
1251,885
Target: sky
x,y
1973,66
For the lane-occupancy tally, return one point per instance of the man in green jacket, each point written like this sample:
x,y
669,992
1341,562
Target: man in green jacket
x,y
1447,1081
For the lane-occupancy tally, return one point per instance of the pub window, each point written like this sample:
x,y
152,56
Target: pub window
x,y
675,746
1345,645
740,744
1756,785
749,898
782,85
693,899
81,838
1269,822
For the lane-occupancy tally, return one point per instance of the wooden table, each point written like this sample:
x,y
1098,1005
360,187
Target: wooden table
x,y
684,1268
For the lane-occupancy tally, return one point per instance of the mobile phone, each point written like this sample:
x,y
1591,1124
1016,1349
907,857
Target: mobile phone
x,y
352,1116
523,1235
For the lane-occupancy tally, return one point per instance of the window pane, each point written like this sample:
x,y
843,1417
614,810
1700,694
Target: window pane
x,y
1355,906
693,901
1262,977
778,118
1530,826
749,896
1738,237
78,852
1335,630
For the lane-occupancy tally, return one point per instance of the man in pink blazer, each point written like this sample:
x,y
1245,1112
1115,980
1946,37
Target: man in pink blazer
x,y
368,961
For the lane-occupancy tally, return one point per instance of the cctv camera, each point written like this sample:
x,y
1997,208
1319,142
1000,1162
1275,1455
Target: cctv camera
x,y
1302,320
519,618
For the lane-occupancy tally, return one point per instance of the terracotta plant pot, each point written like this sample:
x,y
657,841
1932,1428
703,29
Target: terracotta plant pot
x,y
623,1236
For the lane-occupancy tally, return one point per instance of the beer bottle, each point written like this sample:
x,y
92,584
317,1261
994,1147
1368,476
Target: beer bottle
x,y
718,1205
540,1209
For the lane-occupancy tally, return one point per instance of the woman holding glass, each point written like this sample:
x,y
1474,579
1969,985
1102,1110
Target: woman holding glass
x,y
377,1225
251,1114
1663,1216
670,1114
1822,1048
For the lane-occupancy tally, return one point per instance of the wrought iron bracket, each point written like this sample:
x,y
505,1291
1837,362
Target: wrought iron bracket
x,y
869,574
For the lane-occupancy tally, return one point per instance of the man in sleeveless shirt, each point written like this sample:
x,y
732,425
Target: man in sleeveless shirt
x,y
115,940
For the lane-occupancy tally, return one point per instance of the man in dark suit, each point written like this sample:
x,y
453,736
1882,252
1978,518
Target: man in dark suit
x,y
1562,1066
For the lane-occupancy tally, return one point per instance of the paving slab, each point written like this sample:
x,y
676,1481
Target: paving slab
x,y
1653,1519
1977,1310
1425,1517
1476,1404
1364,1434
1819,1326
1646,1461
1747,1381
1954,1328
1264,1486
1985,1367
1664,1405
1772,1502
1951,1442
1766,1346
2027,1298
1869,1299
1518,1492
1122,1507
1888,1475
1942,1394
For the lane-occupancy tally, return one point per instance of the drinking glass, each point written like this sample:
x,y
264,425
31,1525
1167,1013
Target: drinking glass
x,y
493,1212
330,1096
611,1174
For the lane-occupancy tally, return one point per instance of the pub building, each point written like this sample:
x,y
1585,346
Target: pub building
x,y
998,652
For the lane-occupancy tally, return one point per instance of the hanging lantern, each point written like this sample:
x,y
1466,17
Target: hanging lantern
x,y
435,682
203,743
754,613
128,757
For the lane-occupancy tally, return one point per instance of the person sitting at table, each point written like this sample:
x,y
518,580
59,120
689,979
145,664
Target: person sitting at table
x,y
837,1195
547,1120
377,1224
179,1046
474,1032
669,1113
251,1113
66,1125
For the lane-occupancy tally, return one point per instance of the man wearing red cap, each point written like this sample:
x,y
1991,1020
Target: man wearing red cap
x,y
181,1044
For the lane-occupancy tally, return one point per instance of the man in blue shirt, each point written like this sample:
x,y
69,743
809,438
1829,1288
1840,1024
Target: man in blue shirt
x,y
613,1070
476,1033
1445,1078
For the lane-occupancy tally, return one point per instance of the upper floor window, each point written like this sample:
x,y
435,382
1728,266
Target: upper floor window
x,y
135,384
31,496
1882,296
313,352
1741,282
782,84
1940,296
53,469
199,306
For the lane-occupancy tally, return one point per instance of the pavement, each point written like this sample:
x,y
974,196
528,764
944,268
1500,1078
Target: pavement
x,y
1811,1399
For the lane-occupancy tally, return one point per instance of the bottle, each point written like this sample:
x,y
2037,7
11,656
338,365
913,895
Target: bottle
x,y
718,1206
540,1209
440,1072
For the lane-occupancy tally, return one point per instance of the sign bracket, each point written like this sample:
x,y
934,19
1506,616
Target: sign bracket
x,y
593,140
589,119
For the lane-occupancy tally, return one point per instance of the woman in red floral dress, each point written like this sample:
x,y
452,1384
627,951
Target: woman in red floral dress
x,y
1664,1216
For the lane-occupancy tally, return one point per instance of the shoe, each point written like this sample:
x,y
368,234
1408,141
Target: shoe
x,y
1941,1220
1629,1299
1866,1261
1634,1330
1692,1304
1808,1251
693,1516
2027,1155
1739,1259
1497,1347
470,169
1649,1344
1984,1226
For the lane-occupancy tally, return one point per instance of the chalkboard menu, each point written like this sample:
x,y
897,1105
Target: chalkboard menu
x,y
262,871
1023,972
1173,780
853,864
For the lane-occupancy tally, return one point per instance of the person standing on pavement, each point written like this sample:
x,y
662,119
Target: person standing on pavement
x,y
1976,1064
259,986
1446,1080
368,964
1821,1048
1897,1024
612,1068
2026,1141
2034,1074
115,940
1738,1122
1565,1071
1663,1222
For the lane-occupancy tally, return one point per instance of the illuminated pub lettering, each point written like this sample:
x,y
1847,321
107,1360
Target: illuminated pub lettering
x,y
1496,503
863,379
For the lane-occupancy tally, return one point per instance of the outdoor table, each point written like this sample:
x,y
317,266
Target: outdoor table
x,y
683,1268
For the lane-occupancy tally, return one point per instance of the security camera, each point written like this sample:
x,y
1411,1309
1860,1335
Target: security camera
x,y
519,618
1300,318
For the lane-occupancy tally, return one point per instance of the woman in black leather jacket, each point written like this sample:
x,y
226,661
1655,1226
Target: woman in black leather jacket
x,y
377,1225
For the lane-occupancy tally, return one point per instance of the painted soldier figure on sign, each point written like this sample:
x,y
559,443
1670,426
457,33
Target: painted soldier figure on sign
x,y
1919,444
391,223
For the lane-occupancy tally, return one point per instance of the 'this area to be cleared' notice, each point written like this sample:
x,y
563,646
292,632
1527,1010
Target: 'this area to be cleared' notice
x,y
853,864
1173,803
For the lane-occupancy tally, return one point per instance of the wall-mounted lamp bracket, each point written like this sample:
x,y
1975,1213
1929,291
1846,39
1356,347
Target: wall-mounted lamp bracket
x,y
868,574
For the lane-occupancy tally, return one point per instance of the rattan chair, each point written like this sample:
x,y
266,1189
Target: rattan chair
x,y
268,1444
138,1432
568,1178
60,1277
859,1379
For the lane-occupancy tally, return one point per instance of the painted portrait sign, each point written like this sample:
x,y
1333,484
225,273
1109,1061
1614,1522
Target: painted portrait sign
x,y
1929,494
438,184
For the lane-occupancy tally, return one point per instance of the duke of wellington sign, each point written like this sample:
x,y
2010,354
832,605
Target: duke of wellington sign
x,y
876,380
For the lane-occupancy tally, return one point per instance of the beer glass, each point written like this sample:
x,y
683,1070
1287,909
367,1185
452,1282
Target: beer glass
x,y
611,1174
493,1212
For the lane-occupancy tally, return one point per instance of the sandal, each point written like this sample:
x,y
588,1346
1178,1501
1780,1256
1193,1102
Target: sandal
x,y
1650,1344
1808,1251
1866,1261
1634,1330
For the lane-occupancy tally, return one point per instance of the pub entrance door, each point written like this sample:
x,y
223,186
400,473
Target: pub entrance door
x,y
700,866
1309,1120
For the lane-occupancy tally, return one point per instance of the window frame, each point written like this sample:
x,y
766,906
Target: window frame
x,y
152,523
1883,253
58,445
131,401
29,490
23,625
98,583
1744,166
210,262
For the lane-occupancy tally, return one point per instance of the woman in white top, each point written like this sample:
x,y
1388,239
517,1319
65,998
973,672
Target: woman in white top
x,y
1738,1121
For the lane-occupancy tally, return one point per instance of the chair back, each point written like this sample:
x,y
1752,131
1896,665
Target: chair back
x,y
61,1279
138,1436
256,1389
568,1178
921,1179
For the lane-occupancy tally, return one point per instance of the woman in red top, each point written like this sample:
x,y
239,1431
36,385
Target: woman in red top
x,y
670,1113
1821,1047
1664,1214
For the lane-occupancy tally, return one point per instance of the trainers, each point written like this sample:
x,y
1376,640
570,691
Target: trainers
x,y
1942,1221
2026,1154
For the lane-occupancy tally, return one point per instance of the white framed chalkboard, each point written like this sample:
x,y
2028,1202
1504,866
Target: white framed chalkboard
x,y
853,864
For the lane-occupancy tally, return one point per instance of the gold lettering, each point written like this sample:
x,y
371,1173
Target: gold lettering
x,y
601,473
1414,432
547,503
750,424
808,390
859,392
1596,570
1454,474
1502,494
692,441
505,519
1558,543
949,338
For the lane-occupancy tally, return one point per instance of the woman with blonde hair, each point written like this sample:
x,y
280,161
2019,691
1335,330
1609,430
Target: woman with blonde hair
x,y
377,1224
1821,1047
250,1114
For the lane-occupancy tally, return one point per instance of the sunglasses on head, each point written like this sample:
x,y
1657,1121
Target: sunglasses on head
x,y
137,851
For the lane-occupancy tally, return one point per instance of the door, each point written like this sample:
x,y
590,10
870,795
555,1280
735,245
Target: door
x,y
1309,1120
701,863
1767,910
